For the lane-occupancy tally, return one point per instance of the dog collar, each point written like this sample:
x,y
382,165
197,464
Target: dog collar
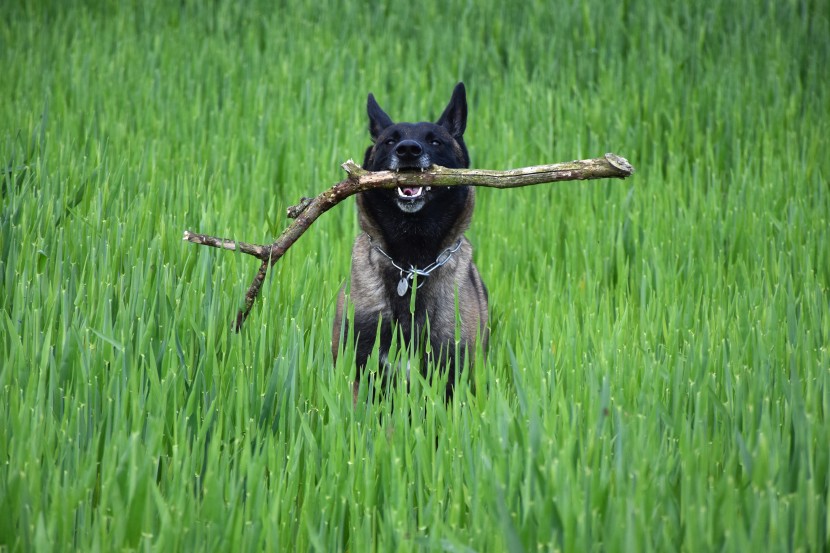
x,y
408,275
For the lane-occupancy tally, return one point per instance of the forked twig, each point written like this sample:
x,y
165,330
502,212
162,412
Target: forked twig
x,y
358,180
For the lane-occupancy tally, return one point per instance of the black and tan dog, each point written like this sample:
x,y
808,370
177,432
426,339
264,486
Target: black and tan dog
x,y
413,237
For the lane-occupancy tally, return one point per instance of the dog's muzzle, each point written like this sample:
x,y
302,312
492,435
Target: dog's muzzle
x,y
409,155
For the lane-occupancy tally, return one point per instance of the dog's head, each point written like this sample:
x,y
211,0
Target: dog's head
x,y
416,146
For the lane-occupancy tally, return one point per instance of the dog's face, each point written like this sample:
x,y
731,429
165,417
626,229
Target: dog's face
x,y
416,146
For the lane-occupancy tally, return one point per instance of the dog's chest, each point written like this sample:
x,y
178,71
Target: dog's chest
x,y
377,285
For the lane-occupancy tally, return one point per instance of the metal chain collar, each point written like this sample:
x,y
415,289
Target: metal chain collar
x,y
408,275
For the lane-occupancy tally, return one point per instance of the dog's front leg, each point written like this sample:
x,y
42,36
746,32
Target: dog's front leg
x,y
371,328
450,356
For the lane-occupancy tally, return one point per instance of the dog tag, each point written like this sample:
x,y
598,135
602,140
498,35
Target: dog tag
x,y
403,286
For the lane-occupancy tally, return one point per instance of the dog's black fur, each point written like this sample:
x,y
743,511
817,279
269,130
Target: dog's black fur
x,y
414,226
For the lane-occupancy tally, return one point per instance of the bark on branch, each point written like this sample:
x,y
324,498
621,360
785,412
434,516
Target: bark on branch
x,y
358,180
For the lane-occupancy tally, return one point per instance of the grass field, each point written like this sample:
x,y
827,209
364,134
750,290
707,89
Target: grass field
x,y
659,369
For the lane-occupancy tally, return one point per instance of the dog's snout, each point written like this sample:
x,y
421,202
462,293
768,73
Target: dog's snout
x,y
408,149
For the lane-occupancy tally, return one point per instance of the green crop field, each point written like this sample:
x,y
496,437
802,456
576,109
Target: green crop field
x,y
658,376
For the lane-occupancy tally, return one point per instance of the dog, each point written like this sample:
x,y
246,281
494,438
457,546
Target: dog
x,y
413,243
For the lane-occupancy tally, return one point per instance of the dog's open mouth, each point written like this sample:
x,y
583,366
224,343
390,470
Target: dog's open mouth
x,y
411,198
411,192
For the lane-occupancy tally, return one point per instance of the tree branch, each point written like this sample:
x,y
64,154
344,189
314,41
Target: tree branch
x,y
359,180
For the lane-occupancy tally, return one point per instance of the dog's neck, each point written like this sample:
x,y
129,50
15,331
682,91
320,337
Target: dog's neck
x,y
415,239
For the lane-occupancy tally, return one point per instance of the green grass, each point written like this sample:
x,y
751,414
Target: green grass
x,y
658,375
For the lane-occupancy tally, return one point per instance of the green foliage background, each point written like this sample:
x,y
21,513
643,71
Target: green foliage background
x,y
659,372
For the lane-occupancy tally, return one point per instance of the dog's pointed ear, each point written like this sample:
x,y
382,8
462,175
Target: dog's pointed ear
x,y
378,120
454,118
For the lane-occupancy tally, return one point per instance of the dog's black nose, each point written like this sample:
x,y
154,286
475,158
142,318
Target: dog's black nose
x,y
408,149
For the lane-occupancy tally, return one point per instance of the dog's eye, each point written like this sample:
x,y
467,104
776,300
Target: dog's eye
x,y
436,142
390,142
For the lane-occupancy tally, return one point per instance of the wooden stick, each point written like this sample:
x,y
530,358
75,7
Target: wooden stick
x,y
359,180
